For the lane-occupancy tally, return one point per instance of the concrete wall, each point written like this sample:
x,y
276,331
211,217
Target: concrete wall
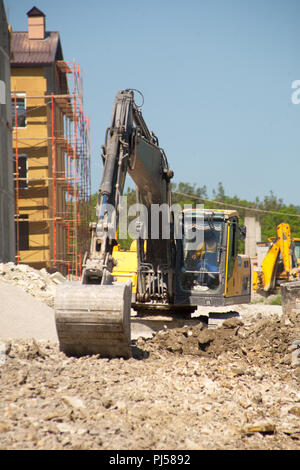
x,y
253,234
7,200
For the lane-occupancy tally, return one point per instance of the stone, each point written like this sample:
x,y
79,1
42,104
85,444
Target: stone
x,y
22,377
107,402
121,406
75,402
65,427
257,398
295,360
57,278
263,428
295,410
4,426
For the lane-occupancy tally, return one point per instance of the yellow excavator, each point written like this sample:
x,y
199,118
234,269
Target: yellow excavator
x,y
280,264
180,259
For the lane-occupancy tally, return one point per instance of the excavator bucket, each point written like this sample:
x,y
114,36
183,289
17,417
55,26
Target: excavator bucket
x,y
94,319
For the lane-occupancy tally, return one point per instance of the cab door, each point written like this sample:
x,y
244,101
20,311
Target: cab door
x,y
238,268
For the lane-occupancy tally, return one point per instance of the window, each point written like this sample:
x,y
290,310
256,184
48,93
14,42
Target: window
x,y
232,248
233,239
201,270
297,248
18,106
23,232
22,171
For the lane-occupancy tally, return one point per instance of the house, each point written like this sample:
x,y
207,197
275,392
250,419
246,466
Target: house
x,y
51,163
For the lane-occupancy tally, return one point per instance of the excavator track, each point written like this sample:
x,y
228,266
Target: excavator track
x,y
94,319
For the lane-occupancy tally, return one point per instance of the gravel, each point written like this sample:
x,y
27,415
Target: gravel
x,y
233,387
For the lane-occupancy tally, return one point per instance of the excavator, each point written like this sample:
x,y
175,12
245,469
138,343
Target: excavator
x,y
181,259
280,264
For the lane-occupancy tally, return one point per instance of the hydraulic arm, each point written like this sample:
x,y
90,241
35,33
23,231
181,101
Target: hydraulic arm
x,y
129,147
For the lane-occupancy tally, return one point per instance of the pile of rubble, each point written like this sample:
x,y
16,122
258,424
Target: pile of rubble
x,y
271,334
37,282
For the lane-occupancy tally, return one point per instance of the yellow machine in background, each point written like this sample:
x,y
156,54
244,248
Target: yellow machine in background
x,y
281,262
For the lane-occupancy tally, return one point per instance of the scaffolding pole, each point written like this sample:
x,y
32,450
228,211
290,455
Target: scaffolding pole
x,y
68,180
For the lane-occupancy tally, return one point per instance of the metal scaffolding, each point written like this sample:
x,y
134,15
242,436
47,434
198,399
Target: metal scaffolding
x,y
65,214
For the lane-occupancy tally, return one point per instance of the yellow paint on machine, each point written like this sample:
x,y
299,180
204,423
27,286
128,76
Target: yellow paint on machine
x,y
227,253
238,277
239,282
126,268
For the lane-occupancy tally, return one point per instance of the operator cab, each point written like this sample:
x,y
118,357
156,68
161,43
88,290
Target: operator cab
x,y
201,257
211,272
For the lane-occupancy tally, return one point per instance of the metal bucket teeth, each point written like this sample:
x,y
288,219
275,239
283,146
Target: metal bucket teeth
x,y
94,319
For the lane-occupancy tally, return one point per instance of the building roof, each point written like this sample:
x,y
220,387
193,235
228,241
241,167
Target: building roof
x,y
35,52
35,12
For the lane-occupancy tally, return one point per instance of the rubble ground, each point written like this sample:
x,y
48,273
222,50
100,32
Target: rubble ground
x,y
233,387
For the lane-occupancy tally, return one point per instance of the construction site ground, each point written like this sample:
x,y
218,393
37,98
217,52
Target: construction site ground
x,y
235,387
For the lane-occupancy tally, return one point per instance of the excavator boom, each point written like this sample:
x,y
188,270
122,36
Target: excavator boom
x,y
93,315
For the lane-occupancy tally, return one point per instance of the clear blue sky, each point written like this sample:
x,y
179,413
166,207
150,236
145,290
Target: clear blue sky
x,y
216,77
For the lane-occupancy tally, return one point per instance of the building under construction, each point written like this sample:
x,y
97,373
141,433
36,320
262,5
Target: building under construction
x,y
51,146
7,237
